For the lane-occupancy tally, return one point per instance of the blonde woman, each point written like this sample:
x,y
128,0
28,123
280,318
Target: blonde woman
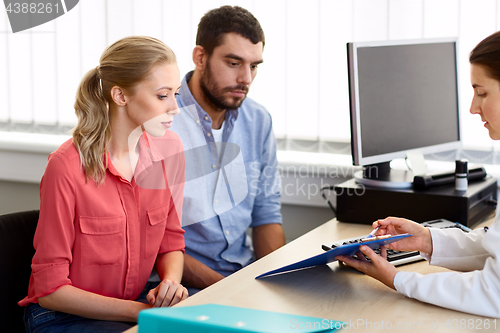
x,y
111,199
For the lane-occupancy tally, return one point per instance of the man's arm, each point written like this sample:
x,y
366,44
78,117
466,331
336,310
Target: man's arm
x,y
267,238
198,275
267,232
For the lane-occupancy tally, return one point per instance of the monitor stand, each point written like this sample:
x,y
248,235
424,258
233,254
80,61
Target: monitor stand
x,y
381,175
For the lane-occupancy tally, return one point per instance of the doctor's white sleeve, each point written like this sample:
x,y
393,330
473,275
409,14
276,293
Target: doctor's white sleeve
x,y
477,291
457,250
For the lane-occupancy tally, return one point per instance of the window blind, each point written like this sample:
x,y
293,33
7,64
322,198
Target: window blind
x,y
302,82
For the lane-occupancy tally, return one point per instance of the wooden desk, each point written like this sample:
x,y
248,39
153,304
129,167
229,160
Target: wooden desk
x,y
333,292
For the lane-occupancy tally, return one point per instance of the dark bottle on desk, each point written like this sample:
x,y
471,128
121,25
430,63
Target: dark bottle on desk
x,y
461,173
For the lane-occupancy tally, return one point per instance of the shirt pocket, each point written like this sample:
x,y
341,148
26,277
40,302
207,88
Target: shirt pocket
x,y
103,240
155,229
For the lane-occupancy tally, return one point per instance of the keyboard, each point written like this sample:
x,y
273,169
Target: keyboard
x,y
400,257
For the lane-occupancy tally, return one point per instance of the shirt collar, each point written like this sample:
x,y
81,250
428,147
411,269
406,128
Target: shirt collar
x,y
148,149
148,154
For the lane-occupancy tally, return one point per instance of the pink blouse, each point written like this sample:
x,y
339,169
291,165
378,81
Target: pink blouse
x,y
105,239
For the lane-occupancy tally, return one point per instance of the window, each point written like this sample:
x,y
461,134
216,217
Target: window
x,y
303,81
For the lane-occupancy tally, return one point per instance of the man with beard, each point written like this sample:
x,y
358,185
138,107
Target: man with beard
x,y
232,181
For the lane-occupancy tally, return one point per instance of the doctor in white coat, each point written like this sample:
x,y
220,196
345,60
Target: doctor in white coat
x,y
474,285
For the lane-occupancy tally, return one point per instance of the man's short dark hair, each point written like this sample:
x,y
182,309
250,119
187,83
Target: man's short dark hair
x,y
217,22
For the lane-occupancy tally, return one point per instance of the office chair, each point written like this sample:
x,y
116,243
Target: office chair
x,y
16,251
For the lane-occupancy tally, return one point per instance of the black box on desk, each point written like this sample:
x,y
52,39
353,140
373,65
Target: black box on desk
x,y
362,204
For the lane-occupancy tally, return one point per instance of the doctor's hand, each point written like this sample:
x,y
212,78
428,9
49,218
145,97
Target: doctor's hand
x,y
167,293
379,268
420,241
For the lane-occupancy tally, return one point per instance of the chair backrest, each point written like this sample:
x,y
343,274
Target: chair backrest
x,y
16,251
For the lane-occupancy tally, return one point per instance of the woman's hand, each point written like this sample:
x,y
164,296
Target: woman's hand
x,y
168,293
379,268
420,241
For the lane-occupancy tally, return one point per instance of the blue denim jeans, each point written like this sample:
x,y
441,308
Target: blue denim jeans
x,y
41,320
38,319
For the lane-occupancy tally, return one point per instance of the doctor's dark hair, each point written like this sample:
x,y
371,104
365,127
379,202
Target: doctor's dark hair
x,y
125,64
220,21
487,54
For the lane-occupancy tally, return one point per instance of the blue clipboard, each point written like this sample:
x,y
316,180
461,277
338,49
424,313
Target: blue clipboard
x,y
329,256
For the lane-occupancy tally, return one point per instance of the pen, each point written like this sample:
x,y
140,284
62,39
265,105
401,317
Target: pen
x,y
373,232
368,239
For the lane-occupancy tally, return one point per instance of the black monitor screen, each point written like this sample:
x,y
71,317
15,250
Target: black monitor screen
x,y
407,97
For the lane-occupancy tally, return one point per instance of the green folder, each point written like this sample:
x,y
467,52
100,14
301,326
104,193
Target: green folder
x,y
221,318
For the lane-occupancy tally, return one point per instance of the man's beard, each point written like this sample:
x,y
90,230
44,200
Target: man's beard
x,y
216,95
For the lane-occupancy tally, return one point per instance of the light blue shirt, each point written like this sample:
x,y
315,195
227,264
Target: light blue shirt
x,y
225,195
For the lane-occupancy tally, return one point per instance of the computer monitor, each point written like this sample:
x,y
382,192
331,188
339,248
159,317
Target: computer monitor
x,y
403,98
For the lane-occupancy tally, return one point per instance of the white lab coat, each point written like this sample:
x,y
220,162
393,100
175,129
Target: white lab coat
x,y
475,291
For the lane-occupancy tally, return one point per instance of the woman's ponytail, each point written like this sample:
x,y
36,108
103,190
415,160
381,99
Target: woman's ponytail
x,y
92,133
